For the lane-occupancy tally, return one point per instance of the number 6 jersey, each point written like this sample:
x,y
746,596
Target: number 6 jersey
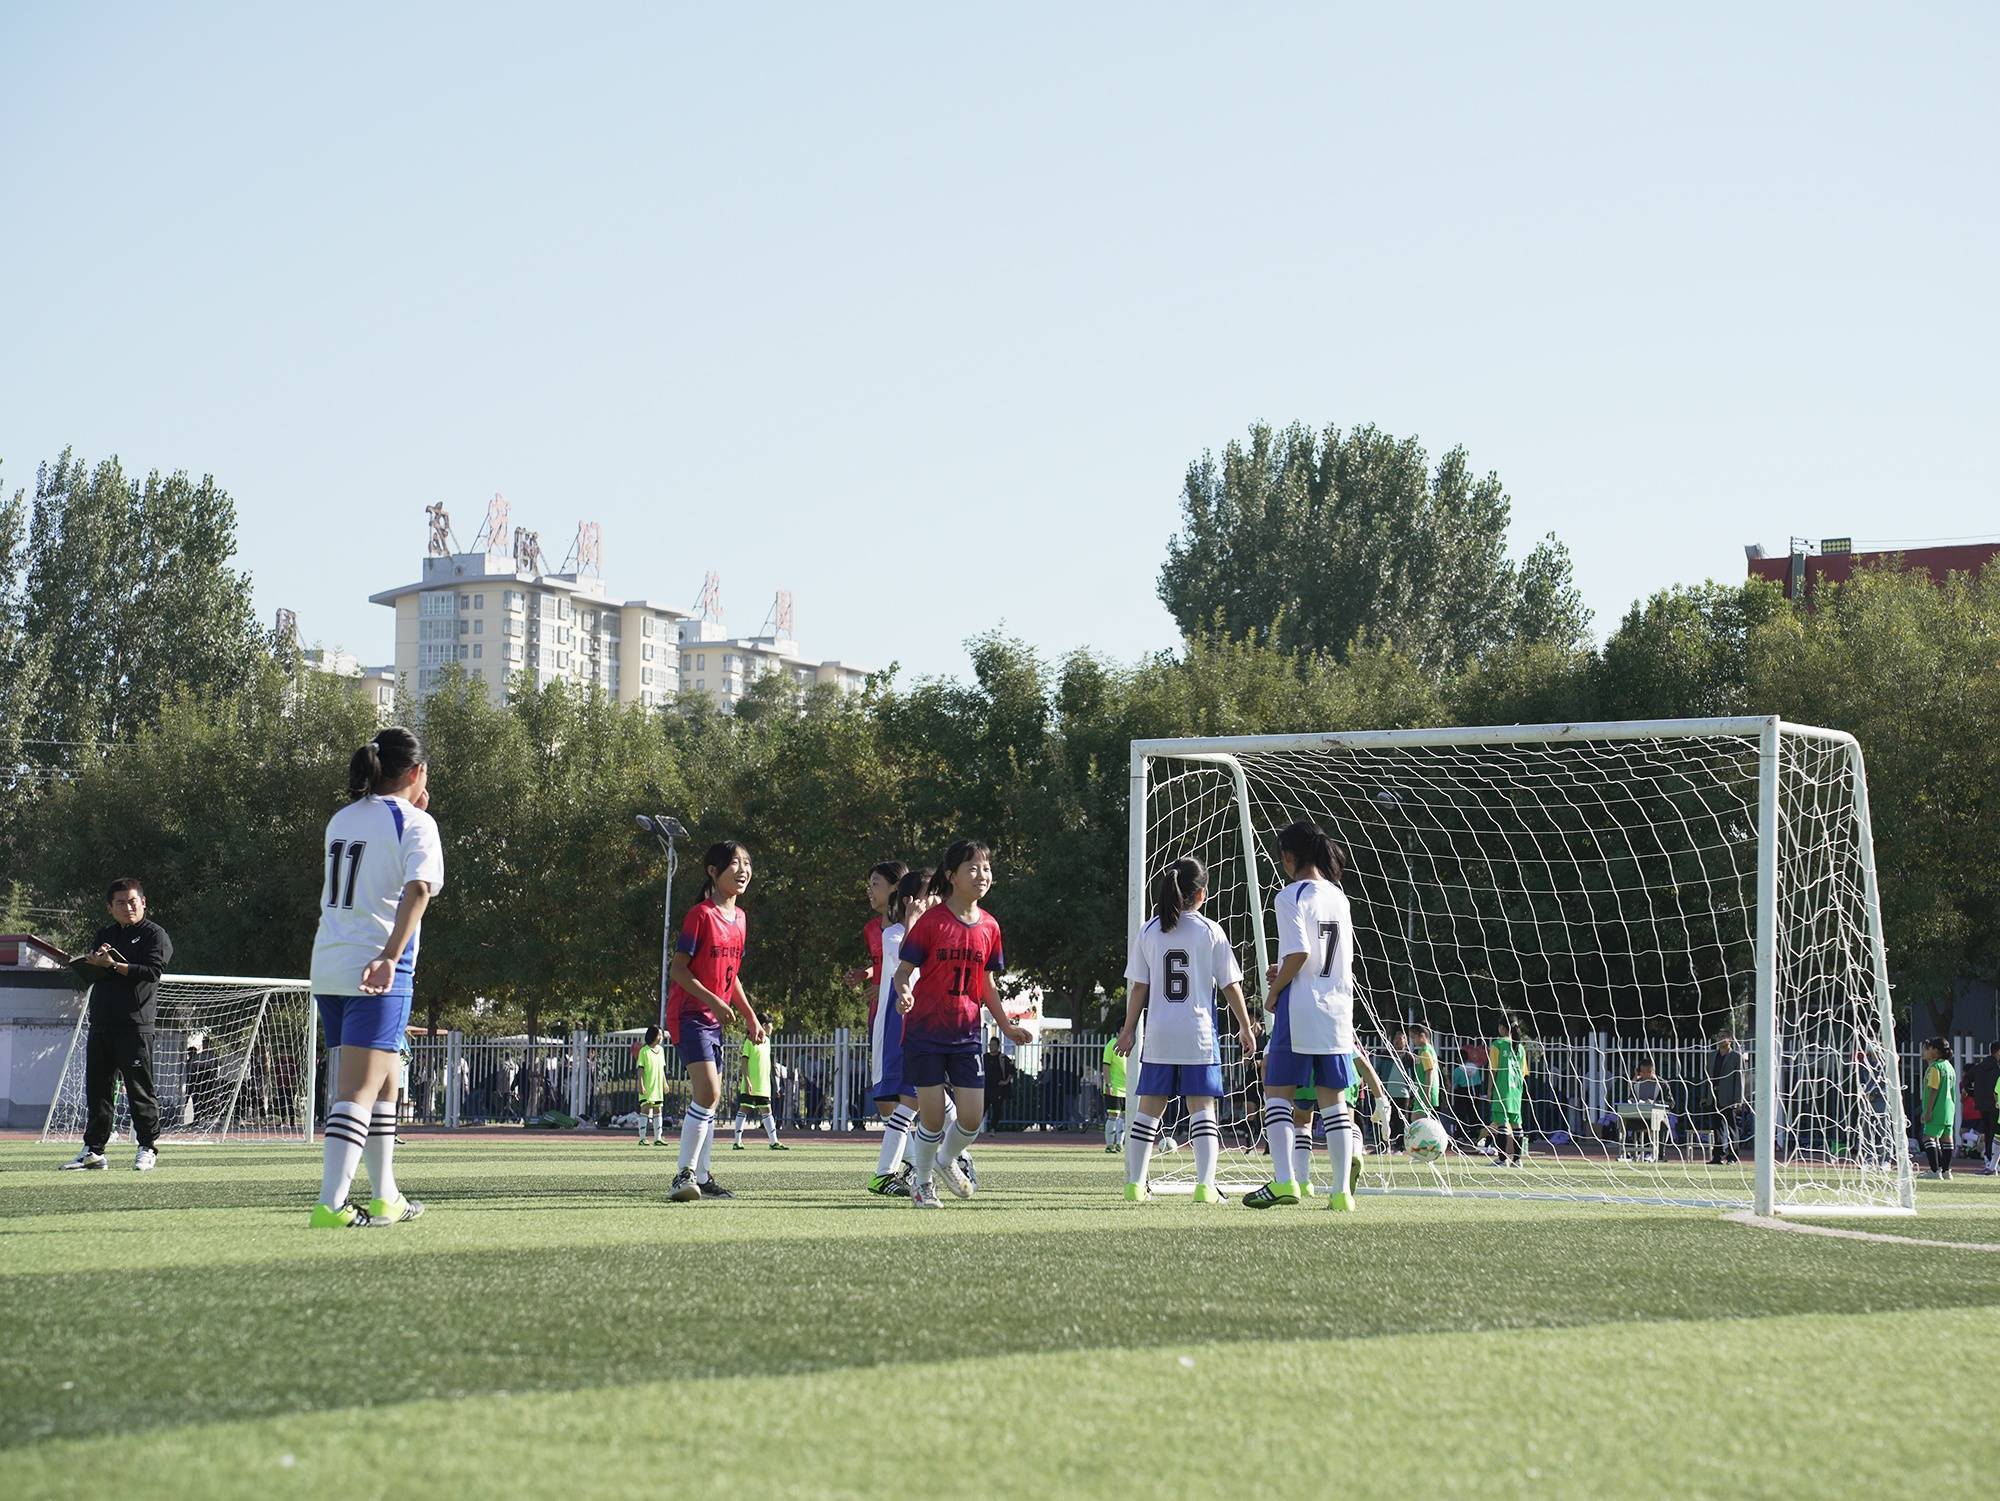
x,y
1314,920
1182,969
374,846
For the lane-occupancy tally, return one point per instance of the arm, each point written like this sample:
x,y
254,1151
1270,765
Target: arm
x,y
998,1012
1135,1003
683,976
1238,1008
741,998
1369,1077
381,970
906,973
1285,971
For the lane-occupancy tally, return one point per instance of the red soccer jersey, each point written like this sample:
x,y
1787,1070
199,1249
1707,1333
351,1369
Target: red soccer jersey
x,y
871,939
954,959
714,948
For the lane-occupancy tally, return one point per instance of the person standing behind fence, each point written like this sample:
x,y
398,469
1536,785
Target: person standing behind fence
x,y
1000,1074
1982,1082
1507,1084
1725,1097
1114,1096
754,1095
651,1056
1940,1112
382,863
124,964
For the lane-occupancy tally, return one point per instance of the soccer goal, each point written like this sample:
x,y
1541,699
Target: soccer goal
x,y
1624,892
233,1060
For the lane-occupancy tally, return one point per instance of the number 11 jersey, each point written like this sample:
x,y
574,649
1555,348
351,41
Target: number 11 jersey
x,y
1182,970
1314,920
374,847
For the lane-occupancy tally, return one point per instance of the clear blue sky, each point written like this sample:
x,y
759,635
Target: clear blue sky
x,y
921,312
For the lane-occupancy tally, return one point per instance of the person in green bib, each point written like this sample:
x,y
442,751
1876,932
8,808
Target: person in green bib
x,y
1507,1075
753,1095
1428,1079
1114,1097
1940,1115
652,1059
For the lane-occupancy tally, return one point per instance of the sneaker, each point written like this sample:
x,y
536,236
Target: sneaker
x,y
1207,1193
1988,1170
1110,1147
397,1211
346,1217
925,1196
1306,1190
1354,1174
146,1161
900,1189
954,1178
710,1189
1340,1203
85,1159
779,1146
1946,1175
684,1190
881,1183
736,1146
1271,1194
972,1173
1137,1193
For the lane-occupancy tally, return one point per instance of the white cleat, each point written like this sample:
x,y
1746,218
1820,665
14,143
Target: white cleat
x,y
146,1161
954,1179
925,1196
84,1159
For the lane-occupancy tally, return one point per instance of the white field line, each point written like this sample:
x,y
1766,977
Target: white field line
x,y
1760,1222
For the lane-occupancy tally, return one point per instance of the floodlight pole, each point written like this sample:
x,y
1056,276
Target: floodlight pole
x,y
667,931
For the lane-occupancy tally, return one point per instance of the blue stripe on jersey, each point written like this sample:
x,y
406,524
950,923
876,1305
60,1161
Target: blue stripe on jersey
x,y
396,812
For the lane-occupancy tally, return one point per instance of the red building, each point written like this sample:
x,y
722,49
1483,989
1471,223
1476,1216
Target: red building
x,y
1837,559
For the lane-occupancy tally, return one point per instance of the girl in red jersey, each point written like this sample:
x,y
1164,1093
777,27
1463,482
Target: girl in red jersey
x,y
705,988
882,881
941,984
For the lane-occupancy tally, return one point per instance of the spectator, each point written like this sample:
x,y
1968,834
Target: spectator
x,y
124,965
1647,1095
1982,1082
1725,1097
999,1083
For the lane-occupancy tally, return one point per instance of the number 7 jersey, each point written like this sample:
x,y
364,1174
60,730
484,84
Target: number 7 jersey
x,y
1314,920
1182,969
374,847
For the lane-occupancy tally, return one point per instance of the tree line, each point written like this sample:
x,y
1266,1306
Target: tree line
x,y
179,743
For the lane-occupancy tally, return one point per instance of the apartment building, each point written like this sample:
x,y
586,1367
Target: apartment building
x,y
376,685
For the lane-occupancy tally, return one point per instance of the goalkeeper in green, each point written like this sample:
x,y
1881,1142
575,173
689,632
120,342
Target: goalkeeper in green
x,y
1940,1106
1507,1082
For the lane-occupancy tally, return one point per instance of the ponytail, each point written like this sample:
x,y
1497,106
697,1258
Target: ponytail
x,y
959,853
1307,844
383,761
1175,888
909,888
717,856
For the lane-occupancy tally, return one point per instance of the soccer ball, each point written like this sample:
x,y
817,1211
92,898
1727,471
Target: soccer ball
x,y
1427,1141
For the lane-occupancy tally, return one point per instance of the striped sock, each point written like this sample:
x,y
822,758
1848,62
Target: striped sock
x,y
1340,1145
696,1127
1207,1141
923,1158
1140,1134
957,1139
381,1147
346,1135
895,1139
1278,1136
1302,1152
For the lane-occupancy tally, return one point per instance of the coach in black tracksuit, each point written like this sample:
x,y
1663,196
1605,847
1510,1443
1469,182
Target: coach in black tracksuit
x,y
123,967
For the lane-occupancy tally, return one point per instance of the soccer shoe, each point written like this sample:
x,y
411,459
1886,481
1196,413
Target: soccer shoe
x,y
736,1146
1110,1147
85,1159
1207,1193
1137,1193
710,1189
346,1217
396,1211
146,1161
1271,1194
779,1146
925,1196
684,1190
1306,1189
971,1173
954,1179
881,1183
1354,1174
1340,1203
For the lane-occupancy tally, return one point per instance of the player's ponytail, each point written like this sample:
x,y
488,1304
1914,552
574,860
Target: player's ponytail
x,y
961,851
1308,845
912,885
1175,888
383,762
718,856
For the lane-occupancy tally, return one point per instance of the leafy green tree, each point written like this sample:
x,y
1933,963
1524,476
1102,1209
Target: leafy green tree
x,y
1685,652
23,671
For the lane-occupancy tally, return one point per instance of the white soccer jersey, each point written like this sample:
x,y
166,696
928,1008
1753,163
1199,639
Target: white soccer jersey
x,y
373,848
1182,970
886,1013
1314,920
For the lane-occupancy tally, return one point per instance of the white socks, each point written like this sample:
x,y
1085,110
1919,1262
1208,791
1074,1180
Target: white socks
x,y
1278,1135
923,1158
697,1127
381,1147
1302,1150
701,1173
1340,1145
1207,1139
771,1125
739,1128
346,1136
957,1138
1112,1122
1139,1138
895,1137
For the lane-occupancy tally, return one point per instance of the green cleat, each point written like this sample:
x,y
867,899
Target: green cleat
x,y
779,1146
1354,1175
1271,1195
1341,1203
346,1217
1306,1189
1137,1193
399,1212
1207,1193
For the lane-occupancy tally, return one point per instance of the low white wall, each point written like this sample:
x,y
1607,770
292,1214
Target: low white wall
x,y
38,1011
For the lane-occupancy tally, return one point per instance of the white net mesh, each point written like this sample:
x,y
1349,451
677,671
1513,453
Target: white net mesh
x,y
232,1061
1601,891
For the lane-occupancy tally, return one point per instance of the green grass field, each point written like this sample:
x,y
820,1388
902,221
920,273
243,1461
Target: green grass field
x,y
554,1327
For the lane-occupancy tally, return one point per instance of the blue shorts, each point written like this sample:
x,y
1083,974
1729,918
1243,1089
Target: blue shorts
x,y
1283,1067
886,1054
699,1043
890,1086
1201,1080
922,1069
364,1021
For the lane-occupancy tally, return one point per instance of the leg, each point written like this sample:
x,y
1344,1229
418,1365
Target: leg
x,y
958,1136
1303,1115
1279,1132
1204,1135
770,1118
698,1125
899,1117
1140,1135
931,1103
367,1078
100,1088
136,1065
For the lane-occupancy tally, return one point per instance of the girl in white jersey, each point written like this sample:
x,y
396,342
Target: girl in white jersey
x,y
1179,962
908,901
382,863
1312,1027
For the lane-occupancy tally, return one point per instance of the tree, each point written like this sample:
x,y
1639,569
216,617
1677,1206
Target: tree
x,y
23,670
1685,653
1323,540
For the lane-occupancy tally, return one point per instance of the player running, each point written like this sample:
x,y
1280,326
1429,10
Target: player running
x,y
708,957
1179,962
942,980
897,1105
1312,1030
382,862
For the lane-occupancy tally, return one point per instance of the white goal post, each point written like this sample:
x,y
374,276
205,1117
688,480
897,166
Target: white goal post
x,y
235,1058
1624,891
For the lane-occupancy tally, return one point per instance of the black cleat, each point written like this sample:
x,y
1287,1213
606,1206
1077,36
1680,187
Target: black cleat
x,y
710,1189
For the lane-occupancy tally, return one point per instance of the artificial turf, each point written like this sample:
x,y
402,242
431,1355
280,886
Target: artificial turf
x,y
554,1327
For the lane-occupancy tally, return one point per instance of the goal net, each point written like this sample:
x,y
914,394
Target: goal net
x,y
1625,893
233,1060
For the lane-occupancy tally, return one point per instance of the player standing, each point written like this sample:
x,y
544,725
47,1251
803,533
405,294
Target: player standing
x,y
652,1060
1312,1030
382,862
1506,1083
882,881
708,959
754,1095
1179,962
896,1104
1114,1094
1940,1115
942,980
